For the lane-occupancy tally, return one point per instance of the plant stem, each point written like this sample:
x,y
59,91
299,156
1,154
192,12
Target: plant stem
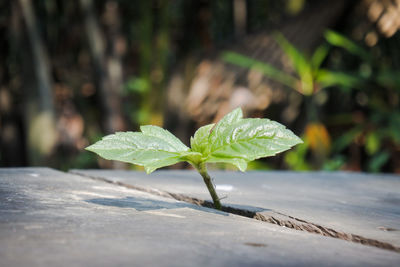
x,y
202,169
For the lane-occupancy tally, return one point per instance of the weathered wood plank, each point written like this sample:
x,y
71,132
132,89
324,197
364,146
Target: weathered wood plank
x,y
49,218
359,204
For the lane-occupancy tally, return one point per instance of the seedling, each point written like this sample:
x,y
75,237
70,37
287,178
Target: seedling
x,y
232,140
310,77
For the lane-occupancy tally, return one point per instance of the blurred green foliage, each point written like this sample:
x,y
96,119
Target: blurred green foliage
x,y
349,115
310,77
368,138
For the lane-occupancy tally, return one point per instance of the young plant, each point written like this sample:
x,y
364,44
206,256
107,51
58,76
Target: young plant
x,y
232,140
309,78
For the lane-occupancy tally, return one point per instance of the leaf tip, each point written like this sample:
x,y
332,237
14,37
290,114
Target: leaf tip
x,y
299,140
239,110
242,169
149,170
143,128
241,165
90,148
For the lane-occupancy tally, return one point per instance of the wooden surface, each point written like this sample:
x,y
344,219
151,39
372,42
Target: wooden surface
x,y
353,203
50,218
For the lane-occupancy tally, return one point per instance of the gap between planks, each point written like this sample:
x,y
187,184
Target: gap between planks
x,y
273,217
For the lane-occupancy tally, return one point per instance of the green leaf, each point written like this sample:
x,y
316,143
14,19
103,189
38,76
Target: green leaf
x,y
151,130
154,165
331,78
301,64
372,143
250,139
334,164
389,78
232,117
137,85
339,40
265,68
346,139
199,142
240,163
376,163
319,56
192,157
151,148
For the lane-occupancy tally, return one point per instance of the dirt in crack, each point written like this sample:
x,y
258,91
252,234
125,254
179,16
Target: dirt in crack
x,y
272,217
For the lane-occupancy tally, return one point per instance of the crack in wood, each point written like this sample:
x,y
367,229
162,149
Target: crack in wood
x,y
302,225
274,217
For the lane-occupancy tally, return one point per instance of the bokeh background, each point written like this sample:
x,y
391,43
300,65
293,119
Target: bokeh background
x,y
73,71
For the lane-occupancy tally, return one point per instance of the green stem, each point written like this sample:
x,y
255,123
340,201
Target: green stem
x,y
202,169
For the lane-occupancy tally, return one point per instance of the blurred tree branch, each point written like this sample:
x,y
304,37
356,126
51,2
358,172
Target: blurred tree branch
x,y
39,115
40,57
107,65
